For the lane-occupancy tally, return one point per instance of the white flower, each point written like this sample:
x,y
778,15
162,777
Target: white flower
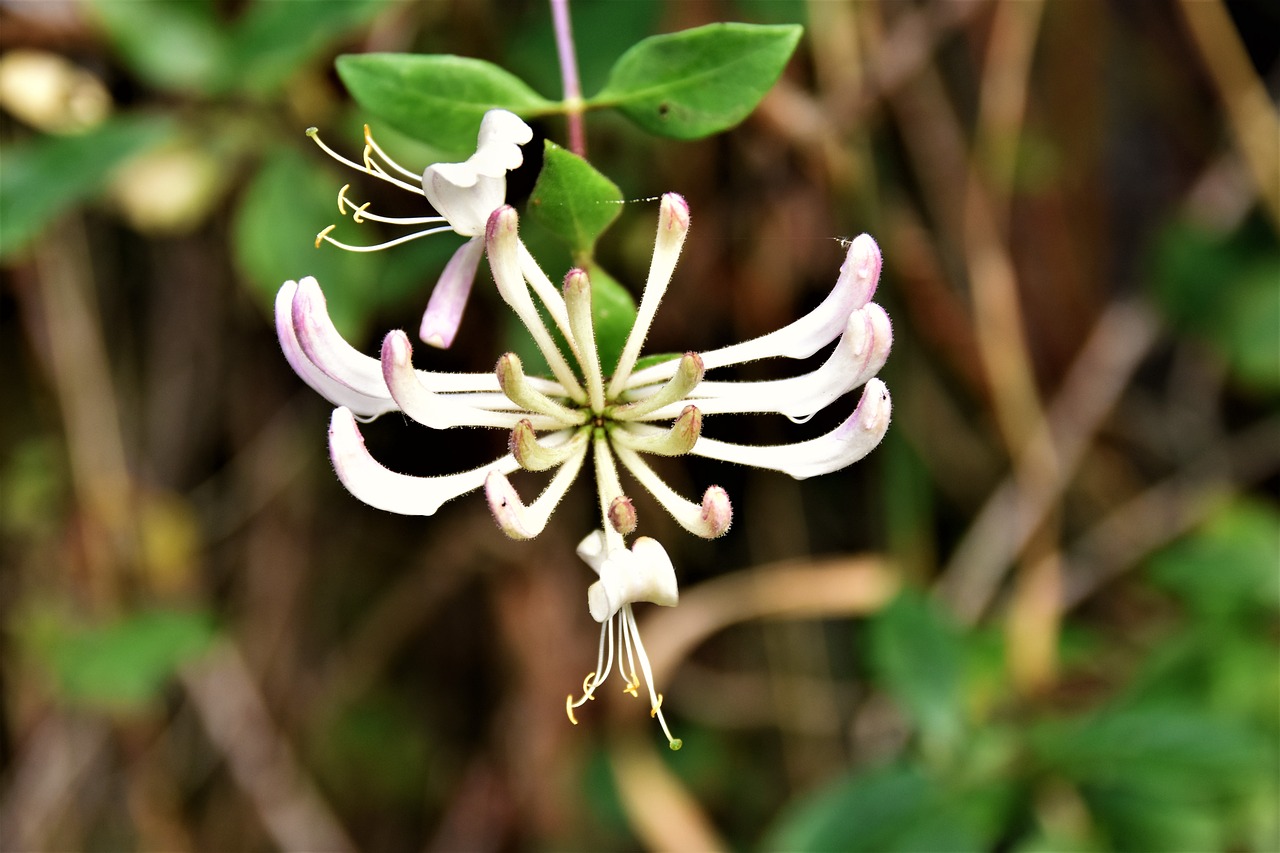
x,y
643,573
464,194
622,416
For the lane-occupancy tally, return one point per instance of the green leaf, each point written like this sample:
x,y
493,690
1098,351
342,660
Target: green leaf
x,y
172,44
573,201
275,37
1156,741
273,237
701,81
1229,566
896,808
43,178
1221,288
125,665
437,99
917,656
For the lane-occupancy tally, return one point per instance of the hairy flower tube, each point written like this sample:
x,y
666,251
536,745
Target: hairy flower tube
x,y
464,194
582,412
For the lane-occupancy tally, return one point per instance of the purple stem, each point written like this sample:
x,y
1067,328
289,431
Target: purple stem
x,y
569,73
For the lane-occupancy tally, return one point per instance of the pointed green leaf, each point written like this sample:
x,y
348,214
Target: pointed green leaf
x,y
437,99
572,200
46,176
701,81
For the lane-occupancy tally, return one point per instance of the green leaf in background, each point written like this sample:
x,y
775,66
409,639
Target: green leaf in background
x,y
1222,289
1230,566
273,238
275,37
1164,777
694,83
917,656
437,99
44,177
172,44
895,808
573,201
125,665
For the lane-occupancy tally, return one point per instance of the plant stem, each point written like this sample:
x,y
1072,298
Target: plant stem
x,y
573,105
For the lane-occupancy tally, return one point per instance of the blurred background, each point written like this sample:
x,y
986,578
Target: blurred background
x,y
1042,616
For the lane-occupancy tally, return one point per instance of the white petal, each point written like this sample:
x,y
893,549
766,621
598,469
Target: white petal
x,y
326,347
673,227
438,411
709,519
859,275
525,522
592,550
504,248
444,310
463,197
859,355
644,573
844,445
335,392
466,193
498,144
379,487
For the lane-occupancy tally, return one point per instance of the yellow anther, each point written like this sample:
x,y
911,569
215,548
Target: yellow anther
x,y
368,137
653,712
323,234
342,199
355,214
632,688
568,709
368,161
587,690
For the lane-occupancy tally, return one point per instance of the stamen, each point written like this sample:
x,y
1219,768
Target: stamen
x,y
324,235
314,133
369,142
568,708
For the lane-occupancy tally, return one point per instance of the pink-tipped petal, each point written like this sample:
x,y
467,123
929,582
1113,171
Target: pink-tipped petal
x,y
369,481
859,276
843,446
335,392
521,521
326,347
861,352
449,299
438,411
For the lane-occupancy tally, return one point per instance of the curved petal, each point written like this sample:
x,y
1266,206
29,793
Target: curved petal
x,y
466,193
384,489
843,446
326,347
363,405
525,522
859,275
449,299
709,519
438,411
643,573
860,354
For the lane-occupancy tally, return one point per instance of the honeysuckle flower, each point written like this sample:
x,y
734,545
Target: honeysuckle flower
x,y
641,573
613,417
464,194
